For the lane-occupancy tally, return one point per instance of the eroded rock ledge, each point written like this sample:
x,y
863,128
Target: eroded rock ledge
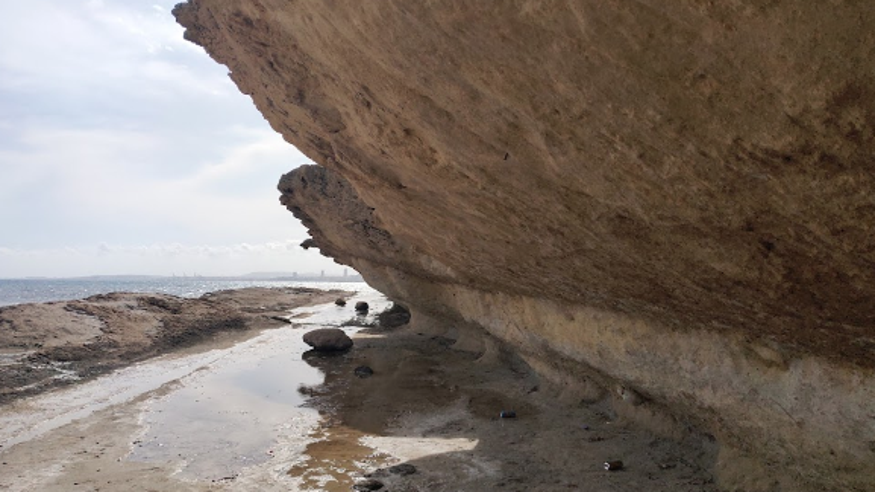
x,y
667,200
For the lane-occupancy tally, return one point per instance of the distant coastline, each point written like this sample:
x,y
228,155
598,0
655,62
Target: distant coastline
x,y
257,276
34,290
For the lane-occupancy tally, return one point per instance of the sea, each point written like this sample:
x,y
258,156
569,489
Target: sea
x,y
23,291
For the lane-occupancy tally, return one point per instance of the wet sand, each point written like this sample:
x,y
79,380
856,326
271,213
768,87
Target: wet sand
x,y
263,414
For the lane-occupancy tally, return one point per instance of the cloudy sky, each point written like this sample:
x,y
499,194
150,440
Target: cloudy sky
x,y
125,149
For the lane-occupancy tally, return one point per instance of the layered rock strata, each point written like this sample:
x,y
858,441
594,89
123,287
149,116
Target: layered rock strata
x,y
667,203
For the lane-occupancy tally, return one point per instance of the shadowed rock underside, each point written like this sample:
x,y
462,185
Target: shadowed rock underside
x,y
671,200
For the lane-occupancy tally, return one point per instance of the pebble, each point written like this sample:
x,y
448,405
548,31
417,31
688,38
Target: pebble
x,y
507,414
613,465
363,371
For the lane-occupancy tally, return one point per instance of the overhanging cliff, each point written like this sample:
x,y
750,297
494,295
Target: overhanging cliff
x,y
675,198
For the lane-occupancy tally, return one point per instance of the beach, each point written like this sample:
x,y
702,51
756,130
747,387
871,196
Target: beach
x,y
254,410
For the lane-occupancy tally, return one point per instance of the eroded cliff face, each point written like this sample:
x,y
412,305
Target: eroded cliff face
x,y
671,200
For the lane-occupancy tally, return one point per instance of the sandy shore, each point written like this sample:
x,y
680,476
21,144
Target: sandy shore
x,y
433,402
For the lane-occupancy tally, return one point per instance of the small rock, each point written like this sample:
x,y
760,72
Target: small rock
x,y
613,465
629,395
369,484
403,469
328,340
340,302
361,307
363,372
507,414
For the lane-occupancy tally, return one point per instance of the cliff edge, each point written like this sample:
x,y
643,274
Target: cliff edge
x,y
666,204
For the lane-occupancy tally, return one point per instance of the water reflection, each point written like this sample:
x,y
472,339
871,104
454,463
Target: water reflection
x,y
234,412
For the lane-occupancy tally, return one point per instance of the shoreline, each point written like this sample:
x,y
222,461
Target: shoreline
x,y
432,404
54,344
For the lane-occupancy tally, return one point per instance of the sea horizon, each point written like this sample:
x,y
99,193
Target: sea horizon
x,y
37,290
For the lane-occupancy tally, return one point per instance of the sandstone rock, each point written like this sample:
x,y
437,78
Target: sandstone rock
x,y
657,190
328,340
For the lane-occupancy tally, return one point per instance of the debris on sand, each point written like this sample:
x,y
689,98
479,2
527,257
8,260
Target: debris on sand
x,y
613,465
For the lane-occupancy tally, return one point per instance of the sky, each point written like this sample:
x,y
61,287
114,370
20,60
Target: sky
x,y
125,149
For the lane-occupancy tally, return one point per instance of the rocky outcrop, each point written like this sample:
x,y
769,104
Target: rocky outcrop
x,y
665,200
64,342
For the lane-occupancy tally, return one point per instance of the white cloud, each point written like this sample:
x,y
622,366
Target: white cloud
x,y
164,259
116,131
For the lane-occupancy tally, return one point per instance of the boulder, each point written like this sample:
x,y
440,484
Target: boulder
x,y
340,302
397,315
328,340
361,307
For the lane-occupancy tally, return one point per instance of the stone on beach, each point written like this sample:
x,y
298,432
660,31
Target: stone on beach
x,y
328,340
363,372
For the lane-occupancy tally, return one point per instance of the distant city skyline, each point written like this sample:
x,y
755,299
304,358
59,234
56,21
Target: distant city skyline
x,y
124,149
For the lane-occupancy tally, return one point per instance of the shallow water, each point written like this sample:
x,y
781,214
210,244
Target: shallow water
x,y
229,415
212,413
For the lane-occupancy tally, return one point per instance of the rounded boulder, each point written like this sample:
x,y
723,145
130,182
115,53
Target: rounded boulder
x,y
328,340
